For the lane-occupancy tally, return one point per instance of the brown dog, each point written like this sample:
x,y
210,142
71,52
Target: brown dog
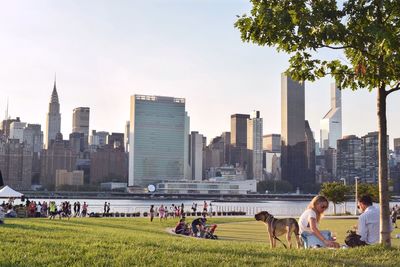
x,y
278,227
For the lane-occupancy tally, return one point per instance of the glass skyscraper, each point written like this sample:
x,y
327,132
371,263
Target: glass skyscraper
x,y
293,148
158,133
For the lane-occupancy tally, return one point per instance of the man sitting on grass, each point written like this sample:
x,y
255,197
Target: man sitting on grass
x,y
368,222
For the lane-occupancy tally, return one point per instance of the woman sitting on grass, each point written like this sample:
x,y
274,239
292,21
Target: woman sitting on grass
x,y
308,223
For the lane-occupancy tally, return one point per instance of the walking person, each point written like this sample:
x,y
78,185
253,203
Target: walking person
x,y
105,209
78,208
84,209
151,213
75,207
205,208
210,211
38,210
182,212
393,214
108,208
161,212
53,210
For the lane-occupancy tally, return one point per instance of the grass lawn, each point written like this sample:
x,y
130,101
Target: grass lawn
x,y
137,242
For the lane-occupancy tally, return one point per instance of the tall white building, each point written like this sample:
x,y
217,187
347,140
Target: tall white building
x,y
53,119
255,145
158,131
196,156
331,124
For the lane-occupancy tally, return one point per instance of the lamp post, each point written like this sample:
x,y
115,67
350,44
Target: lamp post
x,y
356,200
344,183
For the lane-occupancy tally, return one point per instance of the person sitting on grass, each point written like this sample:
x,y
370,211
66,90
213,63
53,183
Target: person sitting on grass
x,y
368,222
308,223
182,228
198,227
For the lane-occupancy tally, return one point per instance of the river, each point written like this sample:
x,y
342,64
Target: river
x,y
275,207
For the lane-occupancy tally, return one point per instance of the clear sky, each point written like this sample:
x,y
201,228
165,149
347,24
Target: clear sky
x,y
105,51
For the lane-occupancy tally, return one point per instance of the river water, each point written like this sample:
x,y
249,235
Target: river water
x,y
275,207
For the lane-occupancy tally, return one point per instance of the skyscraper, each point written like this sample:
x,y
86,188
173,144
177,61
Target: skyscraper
x,y
310,154
80,123
349,161
293,148
255,145
53,120
370,158
196,156
239,130
331,124
157,139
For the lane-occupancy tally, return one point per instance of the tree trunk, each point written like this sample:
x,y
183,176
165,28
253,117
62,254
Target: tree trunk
x,y
383,169
334,208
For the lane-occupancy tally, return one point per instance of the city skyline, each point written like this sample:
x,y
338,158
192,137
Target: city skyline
x,y
105,53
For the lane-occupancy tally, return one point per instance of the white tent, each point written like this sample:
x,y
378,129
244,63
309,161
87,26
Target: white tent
x,y
7,192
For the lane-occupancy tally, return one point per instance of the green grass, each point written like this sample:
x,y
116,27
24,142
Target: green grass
x,y
137,242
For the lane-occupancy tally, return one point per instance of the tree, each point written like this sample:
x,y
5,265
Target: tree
x,y
365,31
369,189
334,192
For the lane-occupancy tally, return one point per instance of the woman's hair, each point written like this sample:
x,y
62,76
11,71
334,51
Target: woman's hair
x,y
314,202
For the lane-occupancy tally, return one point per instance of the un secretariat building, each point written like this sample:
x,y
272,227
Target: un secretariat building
x,y
159,135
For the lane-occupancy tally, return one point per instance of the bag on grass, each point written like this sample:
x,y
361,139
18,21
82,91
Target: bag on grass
x,y
353,239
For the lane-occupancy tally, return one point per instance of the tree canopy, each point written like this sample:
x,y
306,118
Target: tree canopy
x,y
334,192
368,32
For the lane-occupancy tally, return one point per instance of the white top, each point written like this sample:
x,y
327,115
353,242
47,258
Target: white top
x,y
305,219
38,208
368,225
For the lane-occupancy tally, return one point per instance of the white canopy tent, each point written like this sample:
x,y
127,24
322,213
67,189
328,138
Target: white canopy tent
x,y
7,192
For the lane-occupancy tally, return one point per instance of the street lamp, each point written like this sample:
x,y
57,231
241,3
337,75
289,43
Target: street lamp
x,y
356,200
344,183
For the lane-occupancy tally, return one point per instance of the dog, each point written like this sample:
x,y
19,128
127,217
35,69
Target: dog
x,y
278,227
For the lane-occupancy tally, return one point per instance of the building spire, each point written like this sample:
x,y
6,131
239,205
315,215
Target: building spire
x,y
55,82
54,94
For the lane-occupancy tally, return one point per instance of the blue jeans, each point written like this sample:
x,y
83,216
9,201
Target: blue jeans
x,y
310,240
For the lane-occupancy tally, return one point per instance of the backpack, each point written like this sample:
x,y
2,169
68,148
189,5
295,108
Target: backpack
x,y
353,239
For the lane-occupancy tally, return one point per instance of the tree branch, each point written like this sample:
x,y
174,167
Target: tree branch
x,y
394,89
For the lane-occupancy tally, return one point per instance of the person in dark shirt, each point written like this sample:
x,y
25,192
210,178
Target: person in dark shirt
x,y
181,228
198,226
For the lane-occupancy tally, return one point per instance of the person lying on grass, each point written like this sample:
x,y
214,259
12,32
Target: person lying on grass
x,y
308,223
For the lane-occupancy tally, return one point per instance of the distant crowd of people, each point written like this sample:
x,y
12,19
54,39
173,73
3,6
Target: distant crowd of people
x,y
43,209
177,211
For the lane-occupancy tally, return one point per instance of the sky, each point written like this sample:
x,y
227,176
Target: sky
x,y
102,52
